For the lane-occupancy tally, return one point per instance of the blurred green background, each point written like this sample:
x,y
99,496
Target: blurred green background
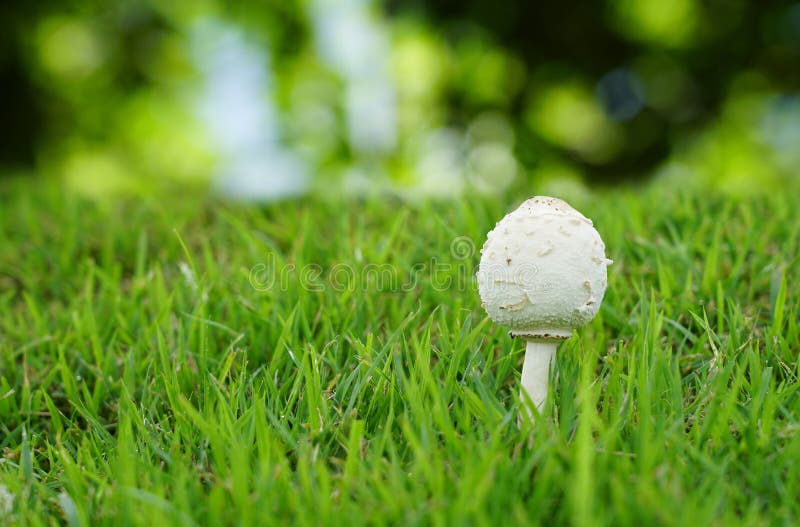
x,y
262,100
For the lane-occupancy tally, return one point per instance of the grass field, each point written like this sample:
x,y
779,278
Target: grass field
x,y
188,362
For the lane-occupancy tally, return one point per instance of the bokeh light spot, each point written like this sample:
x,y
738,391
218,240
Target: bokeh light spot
x,y
621,94
663,23
69,47
568,115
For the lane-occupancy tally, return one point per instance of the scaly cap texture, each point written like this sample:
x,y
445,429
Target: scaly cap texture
x,y
543,270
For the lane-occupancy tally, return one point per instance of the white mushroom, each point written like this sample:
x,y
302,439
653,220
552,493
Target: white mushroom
x,y
542,274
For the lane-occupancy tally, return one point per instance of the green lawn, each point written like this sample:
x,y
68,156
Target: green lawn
x,y
151,374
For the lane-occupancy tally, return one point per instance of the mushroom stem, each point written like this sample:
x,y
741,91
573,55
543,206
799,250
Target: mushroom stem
x,y
536,370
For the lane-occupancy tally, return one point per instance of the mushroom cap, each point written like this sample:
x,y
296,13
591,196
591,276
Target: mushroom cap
x,y
543,270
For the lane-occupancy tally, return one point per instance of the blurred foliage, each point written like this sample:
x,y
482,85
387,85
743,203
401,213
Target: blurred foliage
x,y
277,98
